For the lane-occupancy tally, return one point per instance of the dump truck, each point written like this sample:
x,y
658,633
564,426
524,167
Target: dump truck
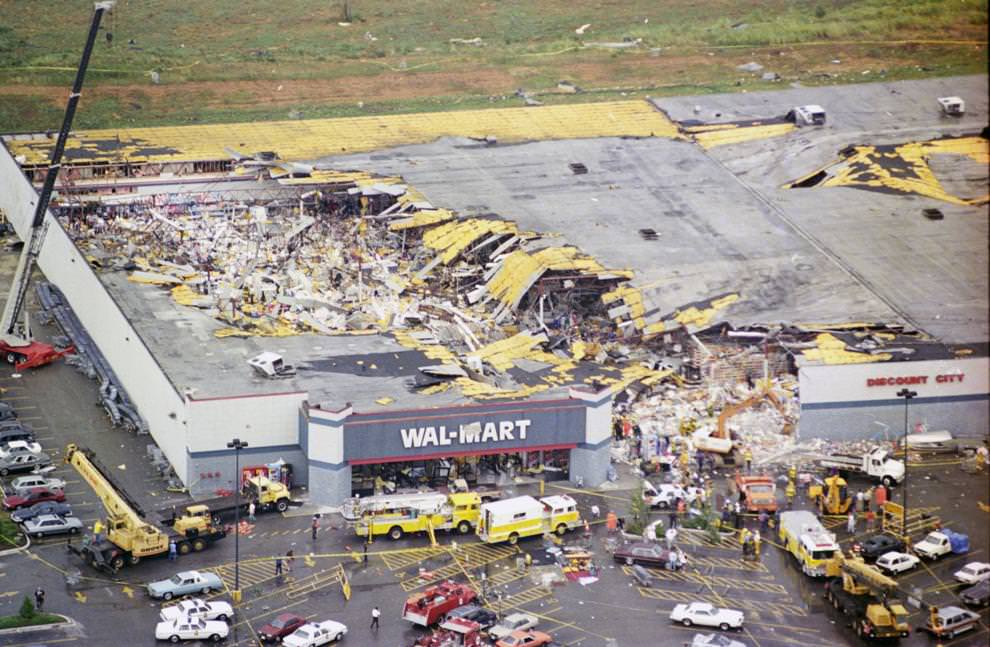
x,y
861,591
806,539
129,538
760,492
876,463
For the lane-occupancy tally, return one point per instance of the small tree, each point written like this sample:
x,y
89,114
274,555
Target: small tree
x,y
27,609
639,512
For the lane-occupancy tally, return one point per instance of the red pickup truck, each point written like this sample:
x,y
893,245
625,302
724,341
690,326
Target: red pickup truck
x,y
430,606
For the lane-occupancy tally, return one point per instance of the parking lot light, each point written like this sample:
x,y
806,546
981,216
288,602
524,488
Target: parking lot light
x,y
237,445
907,394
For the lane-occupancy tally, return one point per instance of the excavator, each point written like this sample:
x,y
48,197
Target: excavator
x,y
17,345
861,591
720,442
129,538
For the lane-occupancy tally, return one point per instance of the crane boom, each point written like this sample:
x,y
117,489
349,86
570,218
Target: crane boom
x,y
15,334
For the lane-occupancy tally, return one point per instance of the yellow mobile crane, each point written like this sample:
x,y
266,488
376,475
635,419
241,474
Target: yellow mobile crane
x,y
129,538
861,590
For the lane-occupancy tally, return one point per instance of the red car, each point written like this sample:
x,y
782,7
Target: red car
x,y
280,627
32,496
528,638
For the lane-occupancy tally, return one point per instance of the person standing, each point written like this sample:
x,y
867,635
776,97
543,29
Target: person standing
x,y
375,614
851,523
290,559
278,566
748,457
39,599
315,526
251,511
365,557
173,551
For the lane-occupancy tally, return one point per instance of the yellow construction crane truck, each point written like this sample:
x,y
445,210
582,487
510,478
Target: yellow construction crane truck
x,y
861,591
128,537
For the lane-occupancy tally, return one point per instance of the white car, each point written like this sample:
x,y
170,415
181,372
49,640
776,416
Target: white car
x,y
894,562
715,640
704,614
23,483
16,447
665,494
973,573
314,634
512,622
191,629
198,608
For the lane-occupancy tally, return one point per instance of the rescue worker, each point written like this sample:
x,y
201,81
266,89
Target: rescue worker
x,y
748,457
790,492
756,543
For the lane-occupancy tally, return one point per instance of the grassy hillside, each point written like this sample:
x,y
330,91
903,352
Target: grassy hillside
x,y
227,60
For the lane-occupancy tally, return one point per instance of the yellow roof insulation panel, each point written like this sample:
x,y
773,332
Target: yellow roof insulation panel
x,y
520,270
452,238
314,138
712,138
422,219
832,350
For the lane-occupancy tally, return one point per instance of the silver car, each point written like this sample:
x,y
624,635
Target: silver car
x,y
22,462
50,524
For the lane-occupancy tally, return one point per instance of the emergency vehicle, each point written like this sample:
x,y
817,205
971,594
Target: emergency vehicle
x,y
512,519
418,513
804,537
433,604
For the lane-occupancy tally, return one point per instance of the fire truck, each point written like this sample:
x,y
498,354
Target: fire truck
x,y
430,606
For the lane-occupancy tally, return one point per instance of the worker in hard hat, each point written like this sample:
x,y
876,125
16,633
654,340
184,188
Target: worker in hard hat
x,y
790,492
748,457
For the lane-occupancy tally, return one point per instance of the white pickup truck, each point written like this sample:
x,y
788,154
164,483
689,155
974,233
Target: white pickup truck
x,y
876,463
939,543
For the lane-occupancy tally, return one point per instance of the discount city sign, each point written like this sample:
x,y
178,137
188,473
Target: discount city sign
x,y
470,434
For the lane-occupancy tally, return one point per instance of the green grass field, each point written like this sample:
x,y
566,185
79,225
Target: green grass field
x,y
226,61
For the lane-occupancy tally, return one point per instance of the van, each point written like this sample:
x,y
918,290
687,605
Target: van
x,y
523,516
950,621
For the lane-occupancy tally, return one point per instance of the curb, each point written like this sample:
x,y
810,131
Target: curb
x,y
69,622
18,549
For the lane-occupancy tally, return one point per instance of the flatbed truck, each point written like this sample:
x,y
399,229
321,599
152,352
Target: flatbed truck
x,y
876,464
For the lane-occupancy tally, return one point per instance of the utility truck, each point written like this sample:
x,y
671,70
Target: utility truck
x,y
398,515
804,537
876,463
942,542
861,591
129,538
523,516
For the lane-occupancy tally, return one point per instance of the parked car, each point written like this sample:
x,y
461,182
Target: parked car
x,y
894,562
45,507
528,638
184,583
715,640
19,432
283,625
973,572
878,545
32,496
23,463
36,480
7,412
977,595
665,495
198,608
19,447
191,629
704,614
513,622
313,634
484,617
951,621
50,524
646,554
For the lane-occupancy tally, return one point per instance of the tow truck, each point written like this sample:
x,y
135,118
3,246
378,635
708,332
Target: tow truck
x,y
430,606
861,591
129,538
17,345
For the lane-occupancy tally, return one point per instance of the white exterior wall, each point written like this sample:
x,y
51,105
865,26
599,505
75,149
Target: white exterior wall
x,y
326,435
858,382
146,384
261,421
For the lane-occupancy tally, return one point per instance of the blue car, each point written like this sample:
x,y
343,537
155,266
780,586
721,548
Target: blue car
x,y
38,509
185,583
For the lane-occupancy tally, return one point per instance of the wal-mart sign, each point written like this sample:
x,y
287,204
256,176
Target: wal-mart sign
x,y
469,434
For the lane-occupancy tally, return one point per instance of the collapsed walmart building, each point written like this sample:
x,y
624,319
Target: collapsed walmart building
x,y
505,304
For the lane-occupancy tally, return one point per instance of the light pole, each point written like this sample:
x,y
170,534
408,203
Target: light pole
x,y
237,445
907,394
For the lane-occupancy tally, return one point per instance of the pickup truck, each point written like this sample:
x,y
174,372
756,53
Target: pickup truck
x,y
941,542
877,464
